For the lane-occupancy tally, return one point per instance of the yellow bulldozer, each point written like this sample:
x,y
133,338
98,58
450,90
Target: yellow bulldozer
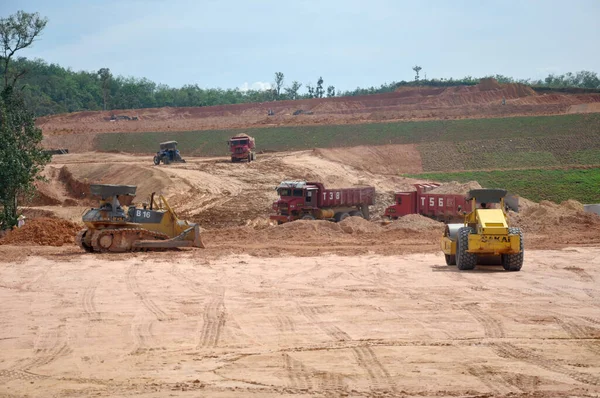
x,y
485,234
111,228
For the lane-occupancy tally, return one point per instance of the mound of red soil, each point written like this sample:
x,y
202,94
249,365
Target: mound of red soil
x,y
44,232
415,222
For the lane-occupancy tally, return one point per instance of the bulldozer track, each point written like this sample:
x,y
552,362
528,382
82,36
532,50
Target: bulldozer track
x,y
133,286
509,351
135,234
214,319
491,326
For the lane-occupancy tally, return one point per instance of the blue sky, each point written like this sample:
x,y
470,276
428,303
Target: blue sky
x,y
242,43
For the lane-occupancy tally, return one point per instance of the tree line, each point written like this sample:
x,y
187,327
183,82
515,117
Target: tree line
x,y
51,89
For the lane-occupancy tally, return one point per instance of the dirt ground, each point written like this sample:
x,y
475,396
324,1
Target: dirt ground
x,y
186,324
309,308
407,103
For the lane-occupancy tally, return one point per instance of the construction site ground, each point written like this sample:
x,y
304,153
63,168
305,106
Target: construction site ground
x,y
309,308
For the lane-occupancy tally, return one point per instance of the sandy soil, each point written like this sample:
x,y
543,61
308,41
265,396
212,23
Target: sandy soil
x,y
76,131
155,325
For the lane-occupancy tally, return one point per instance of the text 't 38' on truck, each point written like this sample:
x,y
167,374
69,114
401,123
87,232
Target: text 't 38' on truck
x,y
300,200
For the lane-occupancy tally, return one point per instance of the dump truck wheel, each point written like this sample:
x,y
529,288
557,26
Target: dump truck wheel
x,y
308,217
464,260
249,157
340,216
357,213
156,160
514,262
450,259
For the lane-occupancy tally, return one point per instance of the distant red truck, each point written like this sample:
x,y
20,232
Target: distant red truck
x,y
300,200
242,148
439,206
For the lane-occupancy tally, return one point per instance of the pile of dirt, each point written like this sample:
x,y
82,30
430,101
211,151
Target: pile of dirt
x,y
488,83
300,229
547,216
456,187
358,225
415,222
42,231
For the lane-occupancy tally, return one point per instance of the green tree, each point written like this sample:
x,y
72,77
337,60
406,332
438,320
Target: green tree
x,y
105,77
292,91
278,83
417,69
331,91
319,91
16,33
21,154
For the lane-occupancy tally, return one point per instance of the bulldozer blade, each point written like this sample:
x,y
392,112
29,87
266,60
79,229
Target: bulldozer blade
x,y
162,244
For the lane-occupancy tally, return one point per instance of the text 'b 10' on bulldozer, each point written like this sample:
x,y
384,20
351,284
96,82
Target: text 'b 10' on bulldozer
x,y
485,234
109,228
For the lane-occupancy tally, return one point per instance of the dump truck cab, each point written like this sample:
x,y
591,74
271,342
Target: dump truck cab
x,y
241,148
296,199
485,232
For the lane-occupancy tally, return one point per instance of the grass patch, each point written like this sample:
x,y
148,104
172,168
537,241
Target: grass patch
x,y
535,184
448,132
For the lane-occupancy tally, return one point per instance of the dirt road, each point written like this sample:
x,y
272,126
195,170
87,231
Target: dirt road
x,y
162,324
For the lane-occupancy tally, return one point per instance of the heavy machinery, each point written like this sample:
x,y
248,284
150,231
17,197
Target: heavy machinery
x,y
242,148
110,228
485,234
310,200
439,206
168,153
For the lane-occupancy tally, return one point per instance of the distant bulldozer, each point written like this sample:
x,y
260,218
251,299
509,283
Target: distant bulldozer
x,y
111,228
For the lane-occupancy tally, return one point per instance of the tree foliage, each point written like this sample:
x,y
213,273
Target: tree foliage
x,y
17,32
21,154
278,82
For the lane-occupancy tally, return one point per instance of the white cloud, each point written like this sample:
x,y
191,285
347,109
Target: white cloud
x,y
260,86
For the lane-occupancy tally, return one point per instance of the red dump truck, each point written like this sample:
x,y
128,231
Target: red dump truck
x,y
300,200
242,148
440,206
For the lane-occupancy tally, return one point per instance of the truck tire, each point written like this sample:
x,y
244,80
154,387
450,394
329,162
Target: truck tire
x,y
514,262
249,157
156,160
166,160
253,156
464,260
340,216
357,213
450,259
308,217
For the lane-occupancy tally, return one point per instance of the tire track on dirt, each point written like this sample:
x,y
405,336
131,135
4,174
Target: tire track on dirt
x,y
509,351
88,302
283,323
576,331
142,336
51,346
493,380
492,327
364,355
188,282
132,285
306,378
214,319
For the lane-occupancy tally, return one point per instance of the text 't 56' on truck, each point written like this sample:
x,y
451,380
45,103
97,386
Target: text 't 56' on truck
x,y
300,200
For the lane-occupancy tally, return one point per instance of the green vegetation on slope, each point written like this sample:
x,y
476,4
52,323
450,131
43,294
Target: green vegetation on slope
x,y
444,144
535,184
